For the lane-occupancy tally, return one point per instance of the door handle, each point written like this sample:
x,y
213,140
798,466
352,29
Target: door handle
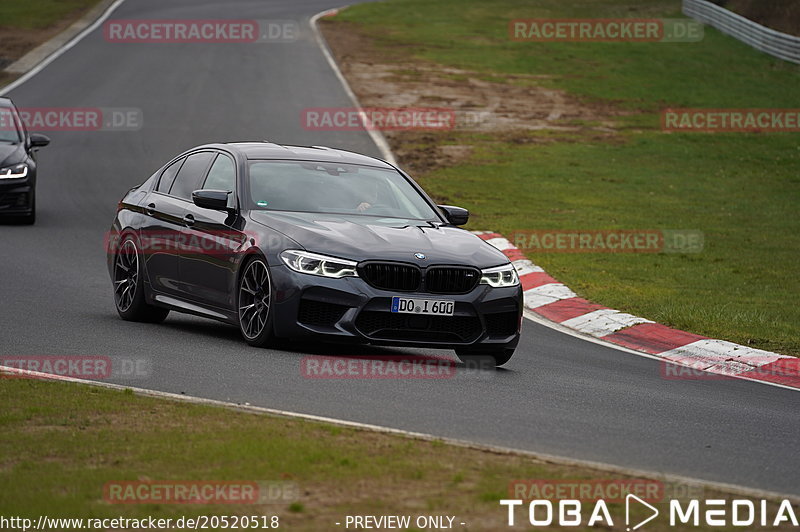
x,y
150,209
188,219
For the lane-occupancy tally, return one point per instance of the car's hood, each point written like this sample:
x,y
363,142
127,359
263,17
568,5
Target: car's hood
x,y
369,238
11,154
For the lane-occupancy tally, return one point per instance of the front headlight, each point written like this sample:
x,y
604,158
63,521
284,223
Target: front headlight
x,y
315,264
500,276
14,172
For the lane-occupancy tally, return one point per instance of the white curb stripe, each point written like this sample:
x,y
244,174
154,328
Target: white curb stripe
x,y
546,294
603,322
695,359
501,243
524,267
729,367
716,351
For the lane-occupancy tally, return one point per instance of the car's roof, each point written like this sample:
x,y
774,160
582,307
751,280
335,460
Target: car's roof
x,y
270,150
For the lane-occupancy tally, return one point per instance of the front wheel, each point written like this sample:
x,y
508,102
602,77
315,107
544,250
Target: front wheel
x,y
486,357
255,303
129,289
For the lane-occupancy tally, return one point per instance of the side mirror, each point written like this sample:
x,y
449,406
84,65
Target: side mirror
x,y
211,199
38,140
455,215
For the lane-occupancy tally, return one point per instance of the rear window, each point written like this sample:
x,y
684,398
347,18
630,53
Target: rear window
x,y
191,175
168,176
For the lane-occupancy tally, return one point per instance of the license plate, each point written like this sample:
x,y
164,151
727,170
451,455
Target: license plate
x,y
430,307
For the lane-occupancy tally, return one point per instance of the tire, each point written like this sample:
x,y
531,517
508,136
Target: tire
x,y
254,303
129,286
485,358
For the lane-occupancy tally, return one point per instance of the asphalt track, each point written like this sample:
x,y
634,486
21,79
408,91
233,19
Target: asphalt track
x,y
559,395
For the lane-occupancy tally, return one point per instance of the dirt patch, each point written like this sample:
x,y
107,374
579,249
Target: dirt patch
x,y
16,42
478,104
513,106
6,78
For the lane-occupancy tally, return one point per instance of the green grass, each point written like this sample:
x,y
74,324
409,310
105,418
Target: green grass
x,y
38,14
470,34
741,190
60,443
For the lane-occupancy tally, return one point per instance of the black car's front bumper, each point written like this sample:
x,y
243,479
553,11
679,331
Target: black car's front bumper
x,y
16,196
349,309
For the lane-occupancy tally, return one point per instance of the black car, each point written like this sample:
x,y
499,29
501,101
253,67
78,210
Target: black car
x,y
17,164
287,241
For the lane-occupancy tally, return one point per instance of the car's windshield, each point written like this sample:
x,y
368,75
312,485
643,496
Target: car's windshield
x,y
9,127
333,188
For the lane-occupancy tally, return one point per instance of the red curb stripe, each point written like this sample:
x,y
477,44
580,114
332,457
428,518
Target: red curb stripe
x,y
534,279
652,338
566,309
785,371
514,254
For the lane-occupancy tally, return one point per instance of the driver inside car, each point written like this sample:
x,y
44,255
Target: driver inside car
x,y
368,195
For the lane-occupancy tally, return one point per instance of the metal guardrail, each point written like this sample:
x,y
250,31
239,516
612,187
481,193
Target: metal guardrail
x,y
767,40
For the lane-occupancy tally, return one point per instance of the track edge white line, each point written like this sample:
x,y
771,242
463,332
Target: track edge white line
x,y
377,137
60,51
733,489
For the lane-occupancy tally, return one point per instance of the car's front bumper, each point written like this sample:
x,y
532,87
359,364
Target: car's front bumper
x,y
16,197
349,309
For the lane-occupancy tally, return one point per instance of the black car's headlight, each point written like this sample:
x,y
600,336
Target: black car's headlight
x,y
16,171
316,264
500,276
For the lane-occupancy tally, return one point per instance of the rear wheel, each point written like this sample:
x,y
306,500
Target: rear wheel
x,y
255,303
486,357
129,289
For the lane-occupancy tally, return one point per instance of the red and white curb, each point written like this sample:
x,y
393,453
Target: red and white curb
x,y
554,301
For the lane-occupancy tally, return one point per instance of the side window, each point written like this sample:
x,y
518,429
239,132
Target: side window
x,y
191,175
222,175
168,176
